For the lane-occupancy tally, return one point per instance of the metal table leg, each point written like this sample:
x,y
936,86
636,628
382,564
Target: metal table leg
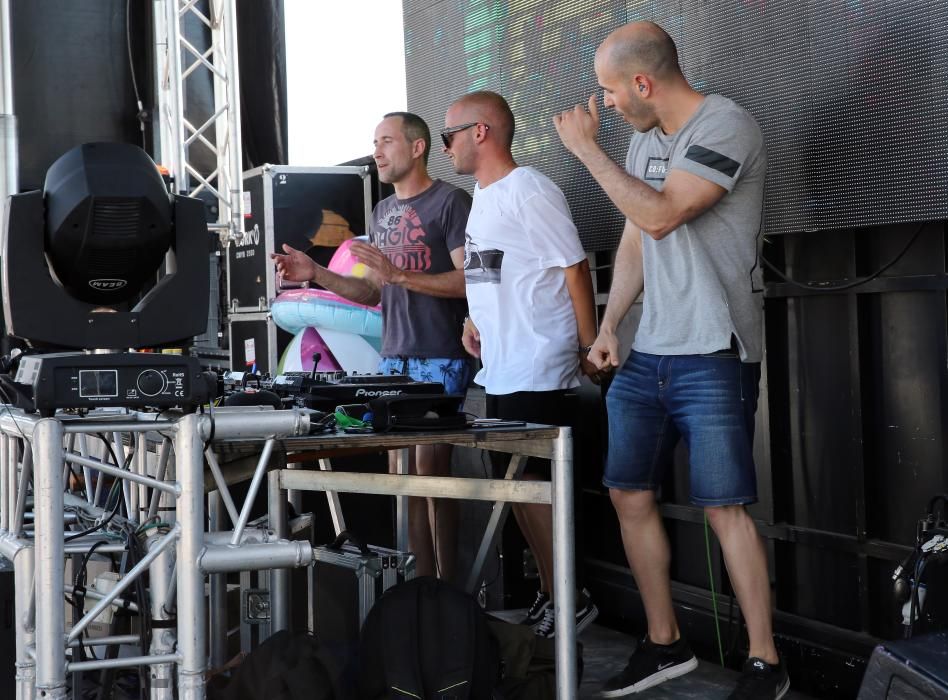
x,y
564,572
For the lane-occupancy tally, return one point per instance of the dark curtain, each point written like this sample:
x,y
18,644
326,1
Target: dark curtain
x,y
73,67
261,43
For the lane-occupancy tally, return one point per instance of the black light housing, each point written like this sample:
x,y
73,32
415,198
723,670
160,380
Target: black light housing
x,y
108,221
76,256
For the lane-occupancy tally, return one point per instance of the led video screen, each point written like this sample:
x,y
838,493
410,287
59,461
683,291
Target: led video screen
x,y
852,95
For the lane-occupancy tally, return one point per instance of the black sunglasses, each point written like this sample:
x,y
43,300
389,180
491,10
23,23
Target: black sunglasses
x,y
447,134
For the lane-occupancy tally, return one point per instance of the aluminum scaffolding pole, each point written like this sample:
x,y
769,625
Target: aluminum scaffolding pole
x,y
564,572
192,634
180,125
9,154
23,624
49,566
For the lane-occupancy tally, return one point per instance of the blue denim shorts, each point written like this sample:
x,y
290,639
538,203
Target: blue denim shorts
x,y
709,400
455,374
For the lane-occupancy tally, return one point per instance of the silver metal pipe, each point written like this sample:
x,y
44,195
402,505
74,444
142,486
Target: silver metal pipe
x,y
23,624
252,491
124,662
81,546
170,603
86,471
160,473
26,476
253,535
11,546
217,593
13,464
124,582
5,515
234,162
412,485
122,474
93,426
49,566
402,464
253,557
255,424
106,641
192,640
13,421
9,146
221,484
564,572
163,640
173,153
141,467
335,505
119,454
279,578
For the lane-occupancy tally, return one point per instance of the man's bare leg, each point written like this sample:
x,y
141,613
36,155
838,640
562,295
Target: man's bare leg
x,y
536,524
746,563
646,548
441,513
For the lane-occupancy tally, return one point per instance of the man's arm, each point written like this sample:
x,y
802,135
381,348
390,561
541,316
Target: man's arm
x,y
444,284
297,266
579,286
627,284
684,197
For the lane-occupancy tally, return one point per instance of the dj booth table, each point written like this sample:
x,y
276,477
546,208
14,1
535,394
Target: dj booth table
x,y
32,446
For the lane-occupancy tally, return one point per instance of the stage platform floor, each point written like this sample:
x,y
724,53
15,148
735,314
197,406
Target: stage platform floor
x,y
606,651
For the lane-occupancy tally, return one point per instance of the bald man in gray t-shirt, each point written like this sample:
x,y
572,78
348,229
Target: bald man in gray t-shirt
x,y
692,195
702,284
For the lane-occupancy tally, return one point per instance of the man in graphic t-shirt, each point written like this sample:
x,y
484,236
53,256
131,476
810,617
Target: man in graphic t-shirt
x,y
415,266
531,302
692,194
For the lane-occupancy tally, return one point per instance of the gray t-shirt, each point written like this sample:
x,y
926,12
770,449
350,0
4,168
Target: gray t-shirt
x,y
419,234
702,282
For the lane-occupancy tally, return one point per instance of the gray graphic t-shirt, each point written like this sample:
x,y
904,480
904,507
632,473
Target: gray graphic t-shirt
x,y
702,282
419,234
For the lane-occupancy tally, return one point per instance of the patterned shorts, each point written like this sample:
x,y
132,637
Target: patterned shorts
x,y
455,374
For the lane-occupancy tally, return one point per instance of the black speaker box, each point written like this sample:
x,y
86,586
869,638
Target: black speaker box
x,y
914,669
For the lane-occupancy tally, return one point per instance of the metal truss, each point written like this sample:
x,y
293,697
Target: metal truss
x,y
181,128
54,474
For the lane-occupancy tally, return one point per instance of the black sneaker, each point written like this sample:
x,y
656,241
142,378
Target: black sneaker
x,y
761,680
651,664
535,613
586,612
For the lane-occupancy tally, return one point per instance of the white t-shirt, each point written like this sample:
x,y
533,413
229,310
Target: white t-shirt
x,y
520,237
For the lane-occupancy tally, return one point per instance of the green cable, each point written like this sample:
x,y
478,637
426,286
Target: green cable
x,y
714,598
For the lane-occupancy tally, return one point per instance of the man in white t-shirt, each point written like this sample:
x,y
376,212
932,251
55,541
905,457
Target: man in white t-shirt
x,y
531,303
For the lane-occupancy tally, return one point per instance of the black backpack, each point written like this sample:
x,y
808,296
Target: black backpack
x,y
286,666
429,640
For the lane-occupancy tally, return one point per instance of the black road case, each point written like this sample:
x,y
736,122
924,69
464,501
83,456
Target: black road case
x,y
311,209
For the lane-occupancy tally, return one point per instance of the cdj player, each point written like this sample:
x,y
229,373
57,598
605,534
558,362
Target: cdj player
x,y
126,380
324,391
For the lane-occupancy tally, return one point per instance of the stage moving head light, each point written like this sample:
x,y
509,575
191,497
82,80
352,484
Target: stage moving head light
x,y
76,256
108,221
